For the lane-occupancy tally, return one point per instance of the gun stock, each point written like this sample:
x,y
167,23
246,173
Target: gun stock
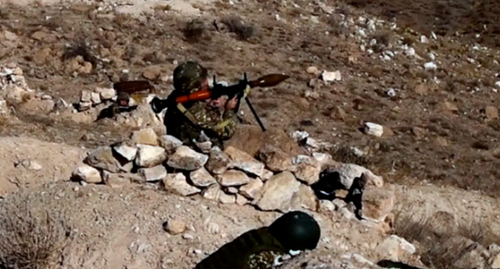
x,y
133,86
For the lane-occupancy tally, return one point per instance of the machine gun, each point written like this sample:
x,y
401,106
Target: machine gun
x,y
240,90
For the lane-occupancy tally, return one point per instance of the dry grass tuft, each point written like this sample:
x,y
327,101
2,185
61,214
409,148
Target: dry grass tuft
x,y
80,48
335,25
122,20
160,8
4,120
237,26
4,14
30,238
383,39
442,239
194,30
346,154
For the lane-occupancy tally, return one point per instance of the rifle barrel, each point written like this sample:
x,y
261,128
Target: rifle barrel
x,y
268,80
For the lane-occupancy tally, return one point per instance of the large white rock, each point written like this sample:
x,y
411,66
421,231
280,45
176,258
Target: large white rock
x,y
169,143
149,156
331,76
374,129
106,93
177,184
126,151
233,178
145,136
278,191
218,161
253,189
86,96
348,172
153,173
87,173
187,159
202,178
244,161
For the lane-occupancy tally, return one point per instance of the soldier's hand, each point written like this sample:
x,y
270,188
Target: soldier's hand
x,y
231,104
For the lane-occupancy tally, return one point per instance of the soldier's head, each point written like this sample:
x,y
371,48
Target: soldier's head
x,y
190,76
123,99
296,230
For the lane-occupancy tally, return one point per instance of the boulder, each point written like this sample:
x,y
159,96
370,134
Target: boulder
x,y
153,173
145,136
150,156
250,139
169,143
187,159
201,178
176,183
218,161
305,198
243,161
87,174
275,159
278,191
233,178
102,158
252,189
378,202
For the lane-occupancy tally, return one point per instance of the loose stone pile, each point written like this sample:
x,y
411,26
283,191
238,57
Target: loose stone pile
x,y
270,181
100,95
15,91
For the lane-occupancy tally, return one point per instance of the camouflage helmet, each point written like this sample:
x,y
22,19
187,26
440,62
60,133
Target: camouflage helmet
x,y
188,76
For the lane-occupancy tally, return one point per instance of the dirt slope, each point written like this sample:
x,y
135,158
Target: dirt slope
x,y
441,129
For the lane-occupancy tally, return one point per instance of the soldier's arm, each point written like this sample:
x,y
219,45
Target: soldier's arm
x,y
224,129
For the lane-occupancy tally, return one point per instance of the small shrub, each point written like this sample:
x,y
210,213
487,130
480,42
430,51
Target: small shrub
x,y
80,48
194,30
237,26
122,20
335,26
346,154
358,3
160,8
29,238
442,238
383,40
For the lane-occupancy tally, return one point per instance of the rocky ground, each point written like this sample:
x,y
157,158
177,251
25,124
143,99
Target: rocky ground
x,y
410,100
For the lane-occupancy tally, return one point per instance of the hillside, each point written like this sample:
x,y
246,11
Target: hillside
x,y
425,73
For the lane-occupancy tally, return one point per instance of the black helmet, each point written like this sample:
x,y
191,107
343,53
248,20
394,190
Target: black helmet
x,y
189,76
296,230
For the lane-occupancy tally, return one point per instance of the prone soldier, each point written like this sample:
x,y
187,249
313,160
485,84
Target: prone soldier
x,y
266,247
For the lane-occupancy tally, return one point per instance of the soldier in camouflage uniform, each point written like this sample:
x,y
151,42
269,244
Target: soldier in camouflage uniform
x,y
214,117
267,247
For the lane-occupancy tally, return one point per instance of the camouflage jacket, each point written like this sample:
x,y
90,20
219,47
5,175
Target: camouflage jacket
x,y
220,120
218,124
254,249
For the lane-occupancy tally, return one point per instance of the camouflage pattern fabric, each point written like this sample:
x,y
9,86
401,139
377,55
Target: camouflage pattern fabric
x,y
188,77
207,118
255,249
